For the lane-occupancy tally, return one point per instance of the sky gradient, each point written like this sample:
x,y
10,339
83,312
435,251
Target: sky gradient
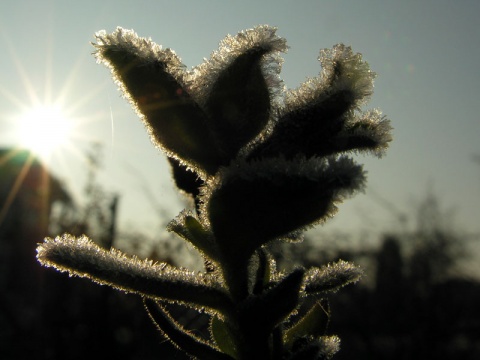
x,y
425,53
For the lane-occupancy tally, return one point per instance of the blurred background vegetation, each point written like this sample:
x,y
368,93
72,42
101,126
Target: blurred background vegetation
x,y
418,300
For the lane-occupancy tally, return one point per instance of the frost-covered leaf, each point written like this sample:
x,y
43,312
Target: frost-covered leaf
x,y
185,179
154,81
231,48
368,132
331,277
238,85
190,229
313,323
317,112
248,204
345,83
82,257
180,337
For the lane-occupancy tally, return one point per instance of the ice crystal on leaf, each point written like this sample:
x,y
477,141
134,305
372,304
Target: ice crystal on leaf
x,y
262,164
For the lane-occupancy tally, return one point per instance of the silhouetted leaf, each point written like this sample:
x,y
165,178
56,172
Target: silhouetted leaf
x,y
82,257
313,323
223,337
274,304
183,339
315,117
331,277
249,204
153,79
185,179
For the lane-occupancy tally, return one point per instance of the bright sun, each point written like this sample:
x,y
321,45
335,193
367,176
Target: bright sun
x,y
44,130
47,116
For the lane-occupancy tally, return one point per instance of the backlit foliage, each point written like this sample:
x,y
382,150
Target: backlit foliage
x,y
263,164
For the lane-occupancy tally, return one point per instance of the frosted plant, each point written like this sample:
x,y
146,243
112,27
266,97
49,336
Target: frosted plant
x,y
263,164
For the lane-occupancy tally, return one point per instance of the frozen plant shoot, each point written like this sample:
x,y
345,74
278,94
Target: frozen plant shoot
x,y
263,164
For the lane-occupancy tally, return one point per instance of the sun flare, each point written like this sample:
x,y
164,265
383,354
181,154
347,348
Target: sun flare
x,y
46,114
44,130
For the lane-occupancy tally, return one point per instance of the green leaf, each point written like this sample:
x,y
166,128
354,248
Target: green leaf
x,y
189,228
313,323
202,238
180,337
223,337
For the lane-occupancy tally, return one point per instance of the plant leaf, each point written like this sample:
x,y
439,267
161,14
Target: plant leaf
x,y
318,111
185,179
249,204
223,337
239,101
331,277
238,85
82,257
154,81
189,228
370,131
180,337
274,304
313,323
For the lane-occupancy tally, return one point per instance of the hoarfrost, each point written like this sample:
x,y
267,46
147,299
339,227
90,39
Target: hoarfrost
x,y
331,277
82,257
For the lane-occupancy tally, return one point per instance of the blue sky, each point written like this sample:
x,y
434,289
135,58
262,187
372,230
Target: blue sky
x,y
426,55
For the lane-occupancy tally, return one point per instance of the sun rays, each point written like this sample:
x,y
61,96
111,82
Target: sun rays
x,y
45,115
44,111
